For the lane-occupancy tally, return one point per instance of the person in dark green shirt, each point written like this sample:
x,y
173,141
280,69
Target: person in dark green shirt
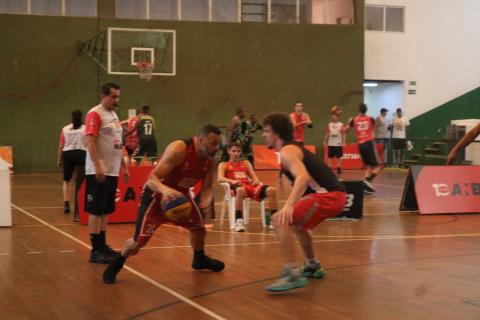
x,y
248,130
146,134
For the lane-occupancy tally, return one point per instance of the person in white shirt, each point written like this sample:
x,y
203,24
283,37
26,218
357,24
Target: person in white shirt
x,y
400,125
382,132
335,140
71,154
103,165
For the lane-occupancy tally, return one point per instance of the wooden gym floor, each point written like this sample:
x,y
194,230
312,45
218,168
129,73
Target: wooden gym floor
x,y
385,266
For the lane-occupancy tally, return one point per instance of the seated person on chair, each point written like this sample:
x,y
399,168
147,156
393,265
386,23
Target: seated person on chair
x,y
244,183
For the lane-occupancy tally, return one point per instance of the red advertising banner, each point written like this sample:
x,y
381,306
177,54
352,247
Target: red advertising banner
x,y
442,189
127,198
266,159
351,156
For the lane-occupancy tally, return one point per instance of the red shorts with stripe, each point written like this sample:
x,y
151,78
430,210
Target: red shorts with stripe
x,y
254,192
150,216
314,208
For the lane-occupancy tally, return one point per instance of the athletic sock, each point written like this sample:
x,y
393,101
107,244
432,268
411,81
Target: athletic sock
x,y
96,241
198,254
238,214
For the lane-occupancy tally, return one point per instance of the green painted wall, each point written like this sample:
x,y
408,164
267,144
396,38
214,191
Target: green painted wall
x,y
433,124
220,66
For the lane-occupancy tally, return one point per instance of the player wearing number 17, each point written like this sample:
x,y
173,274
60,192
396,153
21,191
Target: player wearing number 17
x,y
146,134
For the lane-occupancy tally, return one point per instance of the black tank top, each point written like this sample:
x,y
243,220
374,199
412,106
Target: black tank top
x,y
318,170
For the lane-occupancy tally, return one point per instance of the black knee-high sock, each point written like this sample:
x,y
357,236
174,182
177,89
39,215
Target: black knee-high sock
x,y
238,214
96,241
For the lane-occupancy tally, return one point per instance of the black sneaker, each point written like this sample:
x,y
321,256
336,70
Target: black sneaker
x,y
100,257
114,267
208,263
66,208
110,252
339,170
368,188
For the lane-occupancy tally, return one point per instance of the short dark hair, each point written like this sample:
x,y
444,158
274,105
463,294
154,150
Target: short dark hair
x,y
239,109
362,108
107,87
281,125
234,144
209,128
146,109
77,119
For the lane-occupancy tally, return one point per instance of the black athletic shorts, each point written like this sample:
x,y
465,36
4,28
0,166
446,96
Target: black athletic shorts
x,y
70,160
100,196
129,151
399,144
368,153
335,152
148,147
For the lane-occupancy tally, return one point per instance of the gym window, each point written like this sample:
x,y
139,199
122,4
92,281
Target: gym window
x,y
384,18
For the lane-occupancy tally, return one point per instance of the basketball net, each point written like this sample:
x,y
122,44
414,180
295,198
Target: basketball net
x,y
145,70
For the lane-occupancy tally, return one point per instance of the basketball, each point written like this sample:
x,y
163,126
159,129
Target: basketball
x,y
177,209
337,110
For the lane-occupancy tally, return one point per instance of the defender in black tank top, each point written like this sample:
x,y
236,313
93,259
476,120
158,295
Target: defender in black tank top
x,y
319,171
316,195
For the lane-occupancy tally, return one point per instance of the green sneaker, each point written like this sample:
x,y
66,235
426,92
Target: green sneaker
x,y
313,271
287,283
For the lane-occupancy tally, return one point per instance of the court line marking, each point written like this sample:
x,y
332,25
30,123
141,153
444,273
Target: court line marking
x,y
135,272
387,185
360,238
38,186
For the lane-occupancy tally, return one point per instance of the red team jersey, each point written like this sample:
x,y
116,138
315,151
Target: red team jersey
x,y
237,171
190,172
364,128
298,131
131,141
182,178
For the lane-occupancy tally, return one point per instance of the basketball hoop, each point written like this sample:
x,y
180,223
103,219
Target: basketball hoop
x,y
145,70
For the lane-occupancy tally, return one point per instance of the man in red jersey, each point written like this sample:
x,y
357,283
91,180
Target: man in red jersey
x,y
131,139
245,183
300,120
364,131
182,165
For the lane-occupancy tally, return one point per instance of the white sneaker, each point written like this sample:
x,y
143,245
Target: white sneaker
x,y
239,226
368,188
271,227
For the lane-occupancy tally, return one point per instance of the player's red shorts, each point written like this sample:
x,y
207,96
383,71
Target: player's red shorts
x,y
257,193
150,216
314,208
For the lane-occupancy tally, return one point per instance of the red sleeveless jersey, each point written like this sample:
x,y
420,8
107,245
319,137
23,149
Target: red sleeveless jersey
x,y
298,131
364,126
237,171
190,172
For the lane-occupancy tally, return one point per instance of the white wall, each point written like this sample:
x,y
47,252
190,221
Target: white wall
x,y
440,50
387,95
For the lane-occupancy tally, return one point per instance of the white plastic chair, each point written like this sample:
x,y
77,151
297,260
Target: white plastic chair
x,y
229,203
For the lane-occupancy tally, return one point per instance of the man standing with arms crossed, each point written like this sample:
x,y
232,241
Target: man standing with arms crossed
x,y
102,167
300,120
